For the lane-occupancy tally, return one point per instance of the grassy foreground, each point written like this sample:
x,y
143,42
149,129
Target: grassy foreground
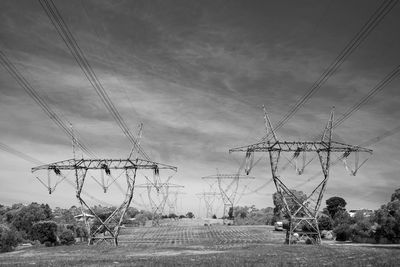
x,y
203,247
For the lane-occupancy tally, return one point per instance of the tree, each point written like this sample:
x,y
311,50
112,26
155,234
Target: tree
x,y
67,237
241,212
230,213
23,217
131,212
335,204
8,238
395,195
387,219
45,232
325,222
141,219
63,216
292,204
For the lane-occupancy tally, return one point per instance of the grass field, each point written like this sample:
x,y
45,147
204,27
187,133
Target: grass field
x,y
196,245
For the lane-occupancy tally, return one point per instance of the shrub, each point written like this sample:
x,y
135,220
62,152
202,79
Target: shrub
x,y
8,238
343,232
82,233
361,229
325,222
45,231
23,218
67,237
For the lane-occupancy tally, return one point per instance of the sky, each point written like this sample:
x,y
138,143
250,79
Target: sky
x,y
196,74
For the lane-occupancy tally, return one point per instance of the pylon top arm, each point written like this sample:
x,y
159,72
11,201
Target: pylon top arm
x,y
307,146
87,164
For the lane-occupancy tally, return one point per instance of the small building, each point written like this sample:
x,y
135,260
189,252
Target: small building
x,y
81,217
364,212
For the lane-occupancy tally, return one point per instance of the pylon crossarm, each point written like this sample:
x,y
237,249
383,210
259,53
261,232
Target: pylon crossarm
x,y
95,164
299,146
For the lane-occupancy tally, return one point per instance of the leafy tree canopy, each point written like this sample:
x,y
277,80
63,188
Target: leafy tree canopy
x,y
335,204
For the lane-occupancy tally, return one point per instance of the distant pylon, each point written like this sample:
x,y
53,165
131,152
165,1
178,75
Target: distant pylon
x,y
228,193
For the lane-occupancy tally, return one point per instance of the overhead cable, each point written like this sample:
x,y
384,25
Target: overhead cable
x,y
41,102
66,35
379,14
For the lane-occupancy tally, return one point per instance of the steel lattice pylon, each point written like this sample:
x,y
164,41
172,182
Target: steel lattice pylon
x,y
306,212
229,192
158,195
209,199
82,167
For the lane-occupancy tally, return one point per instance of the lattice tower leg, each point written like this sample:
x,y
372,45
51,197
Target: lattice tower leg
x,y
298,213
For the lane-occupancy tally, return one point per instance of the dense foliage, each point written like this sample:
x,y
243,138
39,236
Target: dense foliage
x,y
383,226
45,232
22,217
8,238
253,216
67,237
334,205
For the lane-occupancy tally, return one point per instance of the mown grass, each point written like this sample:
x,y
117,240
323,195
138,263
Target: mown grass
x,y
204,254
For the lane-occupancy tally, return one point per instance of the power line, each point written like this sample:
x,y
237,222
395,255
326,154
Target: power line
x,y
379,87
30,159
66,35
19,154
367,28
367,143
41,101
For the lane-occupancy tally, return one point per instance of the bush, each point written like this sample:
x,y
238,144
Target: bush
x,y
67,237
45,231
23,217
82,233
8,238
361,229
325,222
343,232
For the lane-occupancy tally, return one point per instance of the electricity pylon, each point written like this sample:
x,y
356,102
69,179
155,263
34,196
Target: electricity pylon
x,y
228,192
209,199
110,227
301,213
82,167
158,193
173,201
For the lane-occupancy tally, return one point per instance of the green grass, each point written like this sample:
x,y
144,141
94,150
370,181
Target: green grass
x,y
203,251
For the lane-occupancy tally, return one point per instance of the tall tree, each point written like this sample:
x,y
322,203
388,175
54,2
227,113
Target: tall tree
x,y
395,195
334,205
24,217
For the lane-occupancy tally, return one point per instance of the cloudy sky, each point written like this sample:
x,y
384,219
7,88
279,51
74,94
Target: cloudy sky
x,y
196,73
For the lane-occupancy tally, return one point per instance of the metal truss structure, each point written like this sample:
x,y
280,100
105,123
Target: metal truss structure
x,y
109,228
173,201
209,199
301,214
228,192
158,194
